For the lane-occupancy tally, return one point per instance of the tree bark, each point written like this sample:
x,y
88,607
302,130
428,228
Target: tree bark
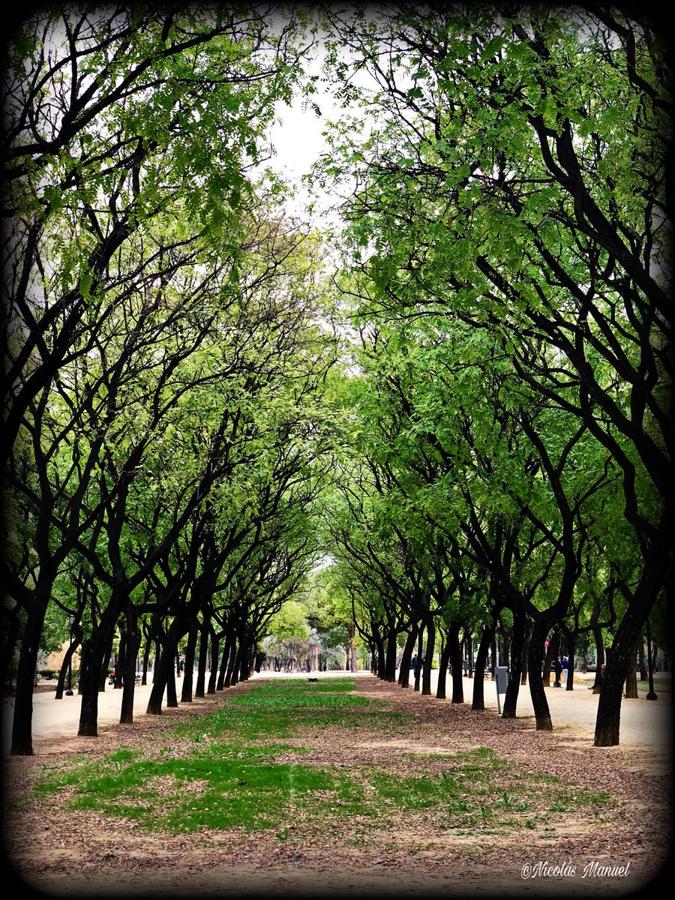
x,y
390,658
524,654
105,662
203,656
381,656
188,676
227,653
456,663
22,726
551,650
443,661
171,693
599,657
99,647
132,644
539,702
418,667
146,659
165,676
404,673
644,674
231,677
120,663
213,672
517,644
428,658
244,662
158,653
631,689
66,664
571,651
10,641
479,672
352,647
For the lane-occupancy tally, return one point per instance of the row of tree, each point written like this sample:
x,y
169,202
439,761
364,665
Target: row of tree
x,y
482,441
162,425
508,430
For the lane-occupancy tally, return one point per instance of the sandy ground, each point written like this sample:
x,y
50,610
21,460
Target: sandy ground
x,y
642,722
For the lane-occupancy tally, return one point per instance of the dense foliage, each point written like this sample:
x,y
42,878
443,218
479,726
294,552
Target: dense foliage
x,y
444,419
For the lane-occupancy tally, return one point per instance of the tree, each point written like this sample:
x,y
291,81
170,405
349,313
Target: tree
x,y
514,182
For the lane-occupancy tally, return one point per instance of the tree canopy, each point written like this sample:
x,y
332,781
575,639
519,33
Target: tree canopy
x,y
441,418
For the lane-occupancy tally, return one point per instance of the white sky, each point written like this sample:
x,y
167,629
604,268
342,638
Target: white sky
x,y
297,135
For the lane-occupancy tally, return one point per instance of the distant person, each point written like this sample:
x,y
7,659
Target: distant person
x,y
566,669
557,667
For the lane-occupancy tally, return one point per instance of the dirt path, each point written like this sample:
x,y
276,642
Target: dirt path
x,y
82,853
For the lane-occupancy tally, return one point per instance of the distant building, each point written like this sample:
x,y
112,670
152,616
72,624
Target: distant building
x,y
54,661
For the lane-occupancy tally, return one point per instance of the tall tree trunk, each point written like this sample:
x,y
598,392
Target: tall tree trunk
x,y
443,661
158,653
539,702
222,672
571,662
213,673
513,686
479,673
105,662
644,674
231,677
66,664
100,645
9,642
146,658
599,656
203,656
380,665
404,673
390,658
186,691
243,658
656,573
352,647
120,664
456,663
428,658
418,666
164,673
132,643
22,726
551,653
524,654
469,652
631,677
171,692
88,685
505,655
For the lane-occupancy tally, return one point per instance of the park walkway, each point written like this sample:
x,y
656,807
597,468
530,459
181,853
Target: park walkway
x,y
642,722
